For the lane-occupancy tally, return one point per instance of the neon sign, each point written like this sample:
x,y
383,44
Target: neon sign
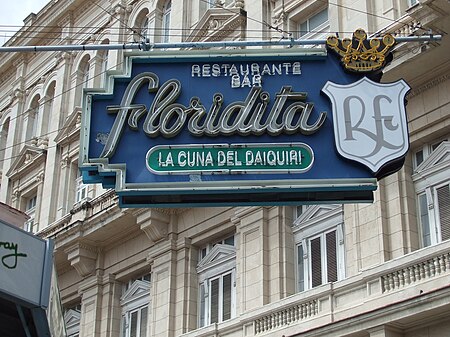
x,y
243,128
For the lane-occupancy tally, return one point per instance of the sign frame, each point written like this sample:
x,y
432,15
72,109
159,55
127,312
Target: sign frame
x,y
196,192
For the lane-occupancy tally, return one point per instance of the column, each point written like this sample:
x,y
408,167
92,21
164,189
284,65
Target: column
x,y
62,198
13,142
55,120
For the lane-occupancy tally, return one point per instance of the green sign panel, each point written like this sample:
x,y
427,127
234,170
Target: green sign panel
x,y
229,158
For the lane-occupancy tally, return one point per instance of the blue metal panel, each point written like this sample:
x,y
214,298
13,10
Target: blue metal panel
x,y
133,145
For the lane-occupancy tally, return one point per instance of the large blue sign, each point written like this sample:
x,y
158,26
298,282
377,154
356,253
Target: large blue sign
x,y
235,128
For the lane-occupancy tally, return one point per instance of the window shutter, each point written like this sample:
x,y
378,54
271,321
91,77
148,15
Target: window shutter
x,y
300,269
424,220
143,325
214,314
124,325
443,196
203,295
226,298
133,324
316,263
331,257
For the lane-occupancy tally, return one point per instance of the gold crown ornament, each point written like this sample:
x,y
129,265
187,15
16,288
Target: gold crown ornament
x,y
359,54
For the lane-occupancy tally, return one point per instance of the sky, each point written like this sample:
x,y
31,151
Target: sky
x,y
13,12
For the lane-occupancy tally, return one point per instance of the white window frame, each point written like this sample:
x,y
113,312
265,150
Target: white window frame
x,y
319,31
30,210
207,285
309,227
307,258
165,21
429,176
299,210
126,332
135,303
72,318
433,212
412,3
219,262
426,150
81,190
203,251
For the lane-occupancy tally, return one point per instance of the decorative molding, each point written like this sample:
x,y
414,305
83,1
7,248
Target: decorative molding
x,y
154,224
29,157
83,258
40,177
429,85
69,132
219,24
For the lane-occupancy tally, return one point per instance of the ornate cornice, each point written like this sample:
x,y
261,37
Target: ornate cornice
x,y
429,85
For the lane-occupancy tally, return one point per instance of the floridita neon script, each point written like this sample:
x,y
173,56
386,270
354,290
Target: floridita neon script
x,y
166,117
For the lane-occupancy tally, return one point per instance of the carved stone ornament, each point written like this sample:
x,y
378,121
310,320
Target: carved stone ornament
x,y
154,224
83,258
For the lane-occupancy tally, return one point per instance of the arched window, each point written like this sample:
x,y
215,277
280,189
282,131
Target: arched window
x,y
47,109
83,78
3,139
32,119
142,26
166,21
100,64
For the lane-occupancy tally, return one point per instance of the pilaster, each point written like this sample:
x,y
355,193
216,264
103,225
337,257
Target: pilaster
x,y
162,258
252,257
90,291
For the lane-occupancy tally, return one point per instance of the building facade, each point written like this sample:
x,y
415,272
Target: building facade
x,y
360,270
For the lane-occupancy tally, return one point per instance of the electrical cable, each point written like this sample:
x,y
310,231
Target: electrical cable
x,y
178,29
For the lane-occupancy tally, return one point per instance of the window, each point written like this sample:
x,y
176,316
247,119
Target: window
x,y
434,214
299,210
135,303
425,151
412,2
72,317
318,232
216,299
217,282
166,21
30,210
3,140
33,119
318,260
144,29
142,26
86,75
315,24
432,186
81,190
206,249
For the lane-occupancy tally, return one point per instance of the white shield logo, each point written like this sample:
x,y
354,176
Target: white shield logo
x,y
370,123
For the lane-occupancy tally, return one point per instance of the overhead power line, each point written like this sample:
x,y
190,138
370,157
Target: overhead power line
x,y
177,45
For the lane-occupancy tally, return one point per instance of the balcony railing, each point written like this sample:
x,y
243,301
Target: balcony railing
x,y
398,280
